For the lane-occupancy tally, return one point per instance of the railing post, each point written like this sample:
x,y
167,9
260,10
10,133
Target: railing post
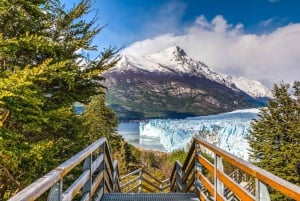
x,y
257,190
115,177
140,180
218,185
178,178
182,174
87,188
114,172
55,193
261,191
197,168
102,168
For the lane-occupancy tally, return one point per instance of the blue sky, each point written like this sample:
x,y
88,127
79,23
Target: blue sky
x,y
226,35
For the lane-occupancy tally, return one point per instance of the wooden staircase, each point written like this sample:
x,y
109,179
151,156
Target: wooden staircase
x,y
196,179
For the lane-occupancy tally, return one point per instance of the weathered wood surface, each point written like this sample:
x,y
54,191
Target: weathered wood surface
x,y
40,186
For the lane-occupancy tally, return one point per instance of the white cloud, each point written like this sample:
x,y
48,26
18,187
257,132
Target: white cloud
x,y
271,58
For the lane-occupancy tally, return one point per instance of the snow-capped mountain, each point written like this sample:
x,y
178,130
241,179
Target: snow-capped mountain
x,y
175,60
252,87
227,131
172,60
171,84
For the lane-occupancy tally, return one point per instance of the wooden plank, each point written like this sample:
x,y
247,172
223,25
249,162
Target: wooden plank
x,y
203,197
97,182
44,183
208,185
133,188
107,184
108,171
85,197
130,182
78,158
147,188
234,187
175,168
287,188
70,193
188,172
203,161
165,187
150,183
37,188
108,156
189,156
166,180
188,185
152,177
131,173
96,163
172,184
100,194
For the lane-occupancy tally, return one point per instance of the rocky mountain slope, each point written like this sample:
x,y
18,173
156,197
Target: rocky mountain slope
x,y
169,84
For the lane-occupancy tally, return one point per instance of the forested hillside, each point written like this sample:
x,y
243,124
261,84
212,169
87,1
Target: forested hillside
x,y
42,73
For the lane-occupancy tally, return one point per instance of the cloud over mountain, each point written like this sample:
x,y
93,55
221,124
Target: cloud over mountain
x,y
270,58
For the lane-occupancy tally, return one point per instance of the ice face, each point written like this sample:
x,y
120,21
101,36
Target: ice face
x,y
227,131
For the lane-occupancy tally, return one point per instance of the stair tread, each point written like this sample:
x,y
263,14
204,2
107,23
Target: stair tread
x,y
150,197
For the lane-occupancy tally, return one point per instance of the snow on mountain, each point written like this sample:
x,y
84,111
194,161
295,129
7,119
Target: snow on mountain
x,y
227,131
251,87
174,60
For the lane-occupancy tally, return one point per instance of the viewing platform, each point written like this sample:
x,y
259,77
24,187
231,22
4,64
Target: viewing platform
x,y
198,178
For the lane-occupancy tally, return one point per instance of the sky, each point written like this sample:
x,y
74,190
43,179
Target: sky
x,y
257,39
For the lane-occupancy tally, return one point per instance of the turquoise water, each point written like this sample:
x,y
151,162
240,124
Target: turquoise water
x,y
130,132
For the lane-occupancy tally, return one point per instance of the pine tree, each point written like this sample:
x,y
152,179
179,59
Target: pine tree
x,y
275,137
101,121
42,73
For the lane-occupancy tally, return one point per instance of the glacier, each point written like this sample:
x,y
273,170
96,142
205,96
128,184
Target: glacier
x,y
227,131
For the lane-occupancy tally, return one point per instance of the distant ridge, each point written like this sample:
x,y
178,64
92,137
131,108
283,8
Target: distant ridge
x,y
169,84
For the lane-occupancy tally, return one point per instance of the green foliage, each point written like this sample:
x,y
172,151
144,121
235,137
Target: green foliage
x,y
100,121
275,137
42,73
179,155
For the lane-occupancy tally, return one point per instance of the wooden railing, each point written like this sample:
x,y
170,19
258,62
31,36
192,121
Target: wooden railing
x,y
212,183
142,181
99,175
182,178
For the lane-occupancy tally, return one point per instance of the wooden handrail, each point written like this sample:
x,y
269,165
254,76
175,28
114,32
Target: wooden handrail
x,y
262,175
179,181
189,177
55,177
143,176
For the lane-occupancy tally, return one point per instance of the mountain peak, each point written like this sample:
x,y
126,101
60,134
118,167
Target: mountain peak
x,y
174,61
174,51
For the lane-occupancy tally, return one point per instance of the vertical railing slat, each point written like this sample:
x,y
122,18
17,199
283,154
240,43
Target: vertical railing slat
x,y
197,170
140,180
218,165
55,193
102,168
87,188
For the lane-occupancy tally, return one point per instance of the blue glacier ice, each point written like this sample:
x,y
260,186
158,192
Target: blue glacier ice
x,y
227,131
